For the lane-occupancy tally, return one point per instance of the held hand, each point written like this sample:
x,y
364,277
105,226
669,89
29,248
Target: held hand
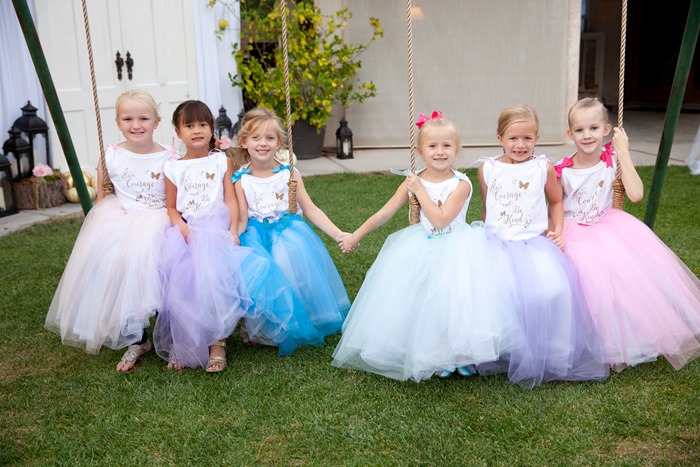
x,y
413,183
556,238
236,239
185,231
620,141
348,243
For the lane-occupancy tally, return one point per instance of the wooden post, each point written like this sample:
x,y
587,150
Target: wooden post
x,y
680,80
42,70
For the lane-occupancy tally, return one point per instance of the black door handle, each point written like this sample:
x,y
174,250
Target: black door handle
x,y
120,63
129,65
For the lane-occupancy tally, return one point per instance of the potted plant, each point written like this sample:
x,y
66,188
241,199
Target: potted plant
x,y
322,66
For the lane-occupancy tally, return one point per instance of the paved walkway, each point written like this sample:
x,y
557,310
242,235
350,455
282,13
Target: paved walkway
x,y
643,128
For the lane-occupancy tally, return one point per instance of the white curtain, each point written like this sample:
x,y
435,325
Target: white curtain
x,y
18,79
214,58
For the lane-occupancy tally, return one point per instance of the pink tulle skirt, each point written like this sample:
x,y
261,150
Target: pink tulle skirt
x,y
644,301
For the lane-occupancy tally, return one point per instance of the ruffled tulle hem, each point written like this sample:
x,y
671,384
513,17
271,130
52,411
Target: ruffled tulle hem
x,y
644,301
110,286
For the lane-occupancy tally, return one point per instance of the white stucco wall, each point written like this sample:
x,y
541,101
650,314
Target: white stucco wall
x,y
471,59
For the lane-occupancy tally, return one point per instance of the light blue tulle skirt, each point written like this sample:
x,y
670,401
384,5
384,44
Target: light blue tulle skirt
x,y
429,303
560,337
293,247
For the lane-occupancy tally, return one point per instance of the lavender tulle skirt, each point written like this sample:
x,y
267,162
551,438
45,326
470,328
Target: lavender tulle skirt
x,y
204,293
561,342
111,285
645,302
300,255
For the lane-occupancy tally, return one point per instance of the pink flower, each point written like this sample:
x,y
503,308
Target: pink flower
x,y
42,170
224,142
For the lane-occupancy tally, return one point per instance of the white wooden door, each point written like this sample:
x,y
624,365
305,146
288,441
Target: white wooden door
x,y
157,34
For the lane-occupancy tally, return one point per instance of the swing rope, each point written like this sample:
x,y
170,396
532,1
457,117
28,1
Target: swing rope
x,y
413,205
618,186
107,187
288,101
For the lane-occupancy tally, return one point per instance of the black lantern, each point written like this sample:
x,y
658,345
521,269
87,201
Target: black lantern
x,y
237,125
223,124
343,140
36,132
7,195
19,153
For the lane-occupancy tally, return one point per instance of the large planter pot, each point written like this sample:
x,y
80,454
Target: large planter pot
x,y
307,140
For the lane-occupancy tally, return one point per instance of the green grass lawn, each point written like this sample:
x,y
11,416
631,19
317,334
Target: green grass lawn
x,y
61,406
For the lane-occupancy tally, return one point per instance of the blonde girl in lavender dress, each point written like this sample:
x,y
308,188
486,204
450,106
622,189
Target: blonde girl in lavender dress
x,y
523,213
645,302
111,285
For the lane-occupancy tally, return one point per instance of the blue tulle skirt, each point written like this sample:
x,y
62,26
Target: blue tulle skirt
x,y
561,340
429,303
292,245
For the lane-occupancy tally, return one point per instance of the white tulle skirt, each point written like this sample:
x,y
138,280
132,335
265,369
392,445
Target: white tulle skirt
x,y
110,286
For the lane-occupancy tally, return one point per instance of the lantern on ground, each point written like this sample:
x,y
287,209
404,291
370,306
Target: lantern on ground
x,y
7,195
36,131
343,140
18,151
223,124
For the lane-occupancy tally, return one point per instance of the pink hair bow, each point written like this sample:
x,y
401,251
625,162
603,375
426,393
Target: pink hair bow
x,y
607,155
422,118
566,162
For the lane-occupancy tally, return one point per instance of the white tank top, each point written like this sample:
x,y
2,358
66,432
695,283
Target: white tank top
x,y
438,193
138,179
199,182
588,192
516,206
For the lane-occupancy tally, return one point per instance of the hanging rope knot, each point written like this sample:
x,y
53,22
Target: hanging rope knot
x,y
422,118
607,155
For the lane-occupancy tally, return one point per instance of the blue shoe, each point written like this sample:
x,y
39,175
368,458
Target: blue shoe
x,y
445,374
466,371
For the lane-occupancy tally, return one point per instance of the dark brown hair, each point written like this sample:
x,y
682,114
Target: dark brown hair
x,y
194,111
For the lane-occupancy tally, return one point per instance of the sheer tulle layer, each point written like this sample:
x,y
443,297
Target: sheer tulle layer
x,y
427,304
644,300
204,294
561,341
110,286
299,253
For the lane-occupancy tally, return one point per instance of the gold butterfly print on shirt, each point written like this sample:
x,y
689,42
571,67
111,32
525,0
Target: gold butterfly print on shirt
x,y
155,175
439,203
279,195
601,183
209,176
523,185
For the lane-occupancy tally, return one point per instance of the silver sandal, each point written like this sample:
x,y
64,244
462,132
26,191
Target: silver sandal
x,y
135,353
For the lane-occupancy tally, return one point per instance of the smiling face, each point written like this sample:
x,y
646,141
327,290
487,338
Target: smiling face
x,y
262,143
196,135
587,129
439,147
137,122
518,141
